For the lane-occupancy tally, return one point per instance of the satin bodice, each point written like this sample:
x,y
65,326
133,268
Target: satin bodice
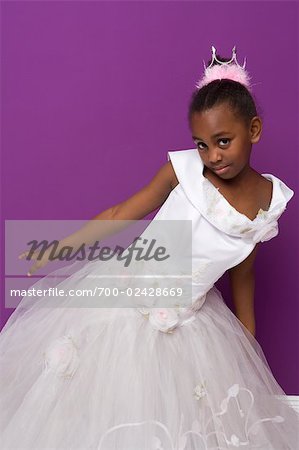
x,y
222,237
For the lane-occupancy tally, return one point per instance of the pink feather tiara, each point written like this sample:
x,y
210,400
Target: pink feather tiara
x,y
230,69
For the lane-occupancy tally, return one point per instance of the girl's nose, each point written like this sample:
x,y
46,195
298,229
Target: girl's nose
x,y
215,155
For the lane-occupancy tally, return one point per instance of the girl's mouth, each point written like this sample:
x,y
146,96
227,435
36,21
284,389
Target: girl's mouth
x,y
222,170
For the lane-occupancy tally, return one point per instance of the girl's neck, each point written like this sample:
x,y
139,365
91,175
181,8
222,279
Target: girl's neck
x,y
244,180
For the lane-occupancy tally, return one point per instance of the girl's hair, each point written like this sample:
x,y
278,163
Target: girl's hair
x,y
217,92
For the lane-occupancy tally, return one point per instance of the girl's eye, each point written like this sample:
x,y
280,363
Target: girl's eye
x,y
224,139
198,145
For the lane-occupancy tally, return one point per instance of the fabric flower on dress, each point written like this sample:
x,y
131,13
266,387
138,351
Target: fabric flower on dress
x,y
164,319
61,357
200,391
167,320
234,440
267,232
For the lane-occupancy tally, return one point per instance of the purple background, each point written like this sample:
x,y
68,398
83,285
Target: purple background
x,y
94,94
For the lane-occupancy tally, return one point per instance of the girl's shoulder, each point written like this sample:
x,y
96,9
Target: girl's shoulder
x,y
264,191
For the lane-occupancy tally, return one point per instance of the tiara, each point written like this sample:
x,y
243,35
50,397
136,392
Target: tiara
x,y
230,69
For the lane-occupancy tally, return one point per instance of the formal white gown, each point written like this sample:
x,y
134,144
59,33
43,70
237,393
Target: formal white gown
x,y
151,378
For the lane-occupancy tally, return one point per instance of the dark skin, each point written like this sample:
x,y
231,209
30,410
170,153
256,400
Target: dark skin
x,y
242,186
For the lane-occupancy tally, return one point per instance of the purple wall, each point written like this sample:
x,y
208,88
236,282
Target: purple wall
x,y
94,94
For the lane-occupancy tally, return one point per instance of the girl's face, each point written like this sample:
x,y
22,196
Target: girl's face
x,y
224,141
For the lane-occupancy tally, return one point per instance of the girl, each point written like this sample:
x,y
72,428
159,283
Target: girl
x,y
145,378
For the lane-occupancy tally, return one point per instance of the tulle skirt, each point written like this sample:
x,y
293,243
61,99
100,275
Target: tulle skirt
x,y
108,379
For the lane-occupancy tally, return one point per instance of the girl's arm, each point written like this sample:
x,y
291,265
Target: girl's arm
x,y
149,198
146,200
242,282
113,219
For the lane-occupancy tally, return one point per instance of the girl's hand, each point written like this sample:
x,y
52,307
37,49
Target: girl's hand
x,y
39,263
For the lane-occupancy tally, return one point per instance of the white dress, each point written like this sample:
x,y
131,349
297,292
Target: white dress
x,y
151,378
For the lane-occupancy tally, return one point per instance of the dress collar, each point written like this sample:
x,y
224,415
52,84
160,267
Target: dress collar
x,y
207,199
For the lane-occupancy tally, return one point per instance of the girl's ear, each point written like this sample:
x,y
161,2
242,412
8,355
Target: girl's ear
x,y
255,129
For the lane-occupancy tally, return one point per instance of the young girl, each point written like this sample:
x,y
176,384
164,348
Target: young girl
x,y
155,378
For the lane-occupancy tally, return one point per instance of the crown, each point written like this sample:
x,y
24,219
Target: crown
x,y
233,59
229,69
